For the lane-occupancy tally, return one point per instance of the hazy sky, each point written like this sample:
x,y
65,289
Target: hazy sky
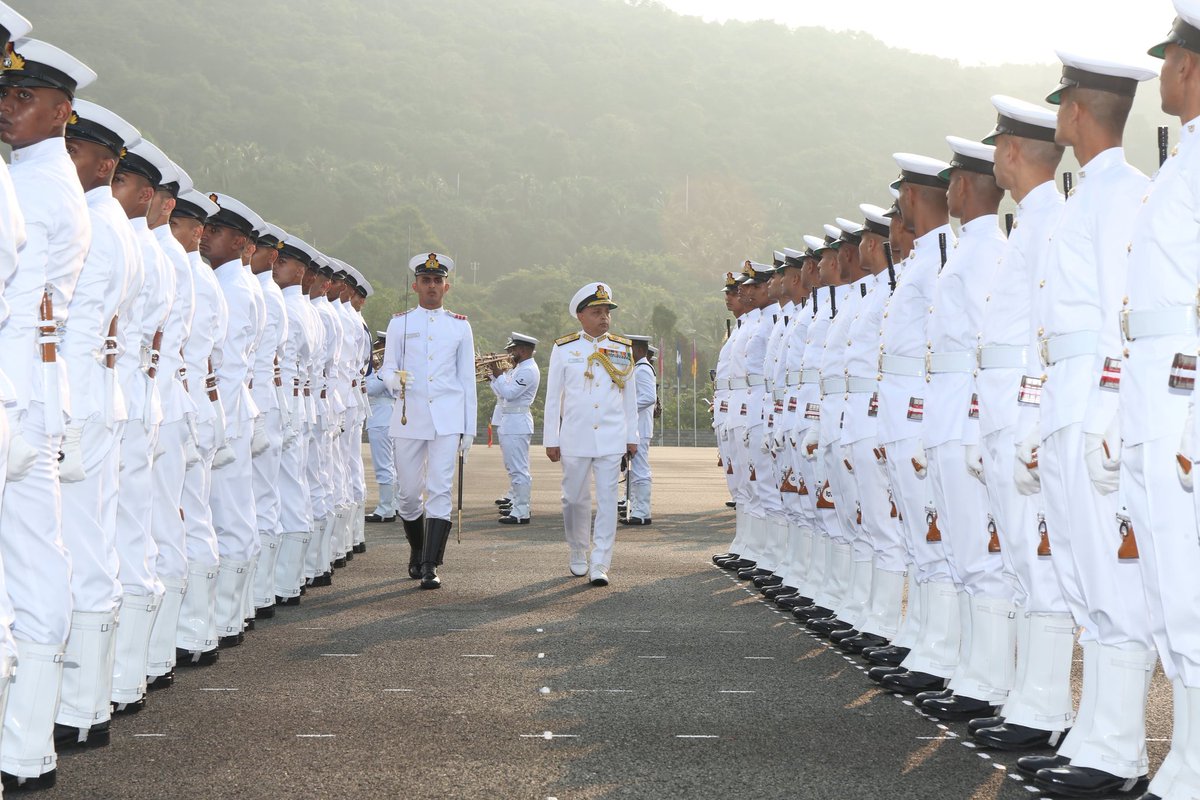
x,y
972,31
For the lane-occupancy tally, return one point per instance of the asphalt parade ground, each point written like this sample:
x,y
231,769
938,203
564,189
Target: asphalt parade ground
x,y
516,680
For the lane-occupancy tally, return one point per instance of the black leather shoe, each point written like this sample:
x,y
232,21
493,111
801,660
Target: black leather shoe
x,y
1086,782
361,547
349,555
837,637
1150,796
196,658
794,602
66,737
739,564
827,625
768,581
44,781
504,501
233,640
324,579
856,644
719,557
750,573
807,613
909,682
887,656
503,510
338,563
637,521
957,706
511,520
287,601
979,723
266,612
775,592
1010,736
125,709
726,563
160,681
931,694
378,518
877,674
731,504
1032,765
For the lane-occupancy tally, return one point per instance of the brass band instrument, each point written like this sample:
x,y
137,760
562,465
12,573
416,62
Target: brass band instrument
x,y
377,354
485,362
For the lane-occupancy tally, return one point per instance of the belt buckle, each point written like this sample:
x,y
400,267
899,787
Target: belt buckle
x,y
1125,326
1044,351
979,357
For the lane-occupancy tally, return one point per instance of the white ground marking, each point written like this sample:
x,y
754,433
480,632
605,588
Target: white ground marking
x,y
541,655
539,630
477,655
730,631
696,736
340,655
315,735
636,631
759,658
601,691
549,735
314,629
736,691
651,656
458,630
216,689
399,690
150,735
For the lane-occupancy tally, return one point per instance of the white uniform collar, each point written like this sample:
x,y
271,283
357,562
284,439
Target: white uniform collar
x,y
1102,161
1041,195
289,290
44,149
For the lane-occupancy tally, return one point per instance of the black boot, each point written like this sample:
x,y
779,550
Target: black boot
x,y
437,533
414,531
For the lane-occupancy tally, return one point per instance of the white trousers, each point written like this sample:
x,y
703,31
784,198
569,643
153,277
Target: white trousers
x,y
425,467
1106,595
318,472
515,449
881,530
265,468
383,455
233,514
962,518
295,500
135,510
581,534
913,496
1164,522
89,541
166,524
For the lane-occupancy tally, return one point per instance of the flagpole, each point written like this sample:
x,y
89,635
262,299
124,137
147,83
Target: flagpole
x,y
678,381
695,398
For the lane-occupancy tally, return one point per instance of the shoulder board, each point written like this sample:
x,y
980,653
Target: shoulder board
x,y
621,340
456,316
570,337
401,313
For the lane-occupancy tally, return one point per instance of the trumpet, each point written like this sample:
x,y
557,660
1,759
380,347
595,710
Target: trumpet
x,y
377,355
484,364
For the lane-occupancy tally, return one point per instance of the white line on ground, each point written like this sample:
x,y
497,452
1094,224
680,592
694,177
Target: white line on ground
x,y
759,658
696,736
651,656
549,735
602,691
636,631
314,629
541,655
216,689
477,655
399,690
730,631
150,735
315,735
458,630
736,691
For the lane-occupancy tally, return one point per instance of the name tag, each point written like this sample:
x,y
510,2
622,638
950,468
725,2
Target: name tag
x,y
973,409
1183,373
873,405
916,408
812,411
1110,376
1030,393
576,360
412,335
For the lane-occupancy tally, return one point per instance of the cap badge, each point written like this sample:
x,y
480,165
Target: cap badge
x,y
601,293
213,197
12,59
124,152
432,262
74,120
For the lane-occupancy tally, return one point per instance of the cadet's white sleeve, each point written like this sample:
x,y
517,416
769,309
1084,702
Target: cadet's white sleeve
x,y
629,399
552,419
466,374
646,396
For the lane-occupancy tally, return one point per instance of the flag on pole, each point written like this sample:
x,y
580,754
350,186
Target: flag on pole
x,y
678,366
693,360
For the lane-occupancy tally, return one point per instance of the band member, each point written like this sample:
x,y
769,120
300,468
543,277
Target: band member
x,y
380,439
639,466
515,390
590,422
429,362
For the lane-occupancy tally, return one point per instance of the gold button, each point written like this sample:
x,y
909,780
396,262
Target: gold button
x,y
1041,331
1042,283
1045,377
1126,353
1129,249
595,427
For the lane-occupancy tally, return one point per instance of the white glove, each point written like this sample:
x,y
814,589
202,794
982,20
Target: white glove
x,y
191,453
811,440
21,454
1104,479
1185,458
259,442
765,446
1111,445
70,468
974,462
224,456
289,434
880,455
1026,477
746,437
464,446
920,461
391,379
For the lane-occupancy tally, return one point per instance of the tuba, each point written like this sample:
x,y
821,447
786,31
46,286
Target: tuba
x,y
485,362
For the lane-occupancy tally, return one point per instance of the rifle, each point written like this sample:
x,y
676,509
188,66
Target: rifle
x,y
1008,224
1068,184
942,249
891,266
1164,139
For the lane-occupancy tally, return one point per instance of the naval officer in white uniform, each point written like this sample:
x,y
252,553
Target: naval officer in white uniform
x,y
590,422
515,390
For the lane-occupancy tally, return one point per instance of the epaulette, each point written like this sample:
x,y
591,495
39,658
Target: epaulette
x,y
570,337
401,313
620,340
457,316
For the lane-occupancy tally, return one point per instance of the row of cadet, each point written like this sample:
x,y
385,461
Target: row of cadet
x,y
514,380
184,404
981,422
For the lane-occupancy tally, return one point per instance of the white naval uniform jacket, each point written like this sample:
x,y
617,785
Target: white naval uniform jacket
x,y
833,363
862,360
102,287
794,343
808,405
156,291
721,392
437,349
587,415
12,238
274,332
1164,270
749,353
330,404
295,352
903,334
171,367
210,320
57,233
1082,288
647,396
955,317
234,356
780,316
515,391
1007,312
